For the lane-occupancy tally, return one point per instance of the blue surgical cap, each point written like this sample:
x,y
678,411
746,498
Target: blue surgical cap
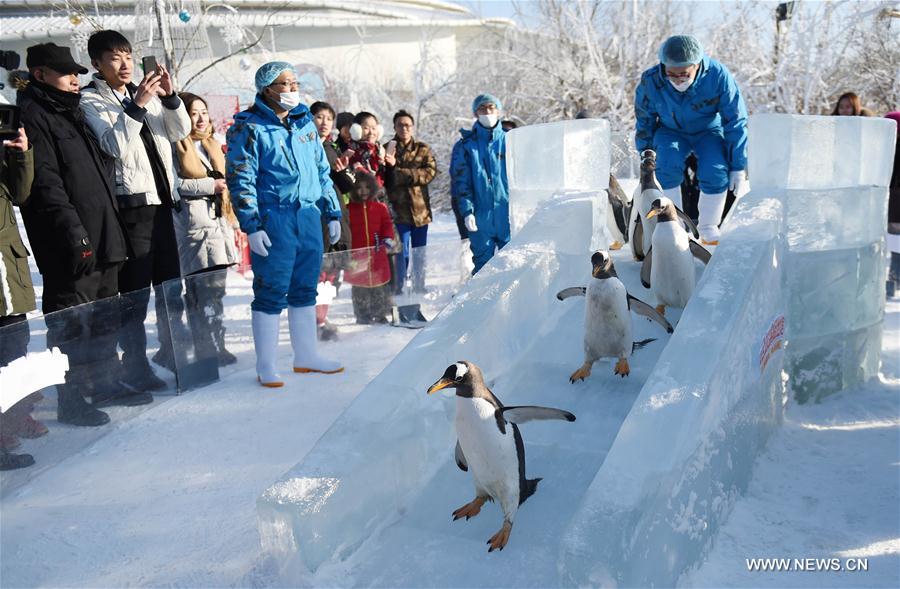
x,y
268,72
680,51
484,99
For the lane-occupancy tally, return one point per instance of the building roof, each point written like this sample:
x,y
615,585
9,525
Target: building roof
x,y
39,19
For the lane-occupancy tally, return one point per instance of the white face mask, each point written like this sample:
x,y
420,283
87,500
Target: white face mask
x,y
488,120
288,100
681,86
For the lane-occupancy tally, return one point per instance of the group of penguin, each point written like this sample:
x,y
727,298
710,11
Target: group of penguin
x,y
489,444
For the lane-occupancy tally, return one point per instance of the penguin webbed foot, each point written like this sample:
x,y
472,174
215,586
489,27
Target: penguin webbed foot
x,y
469,509
622,368
616,245
581,374
498,541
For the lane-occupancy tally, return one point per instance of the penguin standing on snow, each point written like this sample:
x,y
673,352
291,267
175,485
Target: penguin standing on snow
x,y
490,446
669,264
607,322
646,193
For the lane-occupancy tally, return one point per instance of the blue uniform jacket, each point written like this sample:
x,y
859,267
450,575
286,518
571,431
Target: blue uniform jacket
x,y
712,103
270,161
478,169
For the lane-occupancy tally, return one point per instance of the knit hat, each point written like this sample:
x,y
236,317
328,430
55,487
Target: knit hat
x,y
269,72
680,51
485,99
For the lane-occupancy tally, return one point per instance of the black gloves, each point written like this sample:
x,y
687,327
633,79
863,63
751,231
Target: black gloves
x,y
83,258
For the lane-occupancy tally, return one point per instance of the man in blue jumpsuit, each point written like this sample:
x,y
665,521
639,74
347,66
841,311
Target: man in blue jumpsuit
x,y
691,103
478,180
280,185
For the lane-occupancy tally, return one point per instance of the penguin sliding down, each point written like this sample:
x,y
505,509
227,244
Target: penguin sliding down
x,y
607,323
669,264
490,446
618,213
648,191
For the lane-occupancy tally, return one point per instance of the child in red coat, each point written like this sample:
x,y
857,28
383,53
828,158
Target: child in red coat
x,y
371,236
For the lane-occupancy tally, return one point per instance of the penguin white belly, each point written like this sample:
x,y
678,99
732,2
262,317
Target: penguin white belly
x,y
607,323
490,454
643,200
672,272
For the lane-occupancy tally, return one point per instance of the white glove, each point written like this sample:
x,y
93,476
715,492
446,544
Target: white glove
x,y
470,223
259,241
388,243
737,179
334,231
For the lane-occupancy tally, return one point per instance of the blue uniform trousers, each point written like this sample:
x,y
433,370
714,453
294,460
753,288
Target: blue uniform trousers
x,y
289,275
672,149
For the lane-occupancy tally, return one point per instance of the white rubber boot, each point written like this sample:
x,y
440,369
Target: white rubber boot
x,y
265,340
302,322
711,208
674,194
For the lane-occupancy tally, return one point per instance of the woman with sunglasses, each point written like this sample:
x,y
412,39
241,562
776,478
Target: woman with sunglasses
x,y
690,103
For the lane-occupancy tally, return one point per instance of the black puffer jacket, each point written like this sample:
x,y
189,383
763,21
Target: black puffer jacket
x,y
73,195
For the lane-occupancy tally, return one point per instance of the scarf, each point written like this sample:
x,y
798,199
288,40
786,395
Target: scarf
x,y
191,167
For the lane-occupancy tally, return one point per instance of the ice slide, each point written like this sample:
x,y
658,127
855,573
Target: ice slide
x,y
633,491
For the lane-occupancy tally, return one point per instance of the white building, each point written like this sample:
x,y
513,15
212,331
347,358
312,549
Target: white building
x,y
338,46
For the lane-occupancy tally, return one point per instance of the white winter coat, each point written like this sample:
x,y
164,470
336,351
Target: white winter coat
x,y
119,136
204,240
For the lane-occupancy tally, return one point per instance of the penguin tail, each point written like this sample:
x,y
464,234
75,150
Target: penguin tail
x,y
642,343
530,488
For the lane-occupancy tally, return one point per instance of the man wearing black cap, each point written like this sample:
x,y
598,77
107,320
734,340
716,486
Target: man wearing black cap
x,y
75,229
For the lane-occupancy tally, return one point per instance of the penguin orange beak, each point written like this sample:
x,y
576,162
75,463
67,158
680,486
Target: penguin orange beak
x,y
441,384
652,213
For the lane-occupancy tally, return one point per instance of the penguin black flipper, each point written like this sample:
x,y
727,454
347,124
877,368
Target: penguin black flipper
x,y
572,291
641,308
637,246
527,487
461,458
526,413
645,268
688,223
700,252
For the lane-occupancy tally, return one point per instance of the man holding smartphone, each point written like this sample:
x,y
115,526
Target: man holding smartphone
x,y
137,124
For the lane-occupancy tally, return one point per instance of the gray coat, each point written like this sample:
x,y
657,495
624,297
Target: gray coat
x,y
204,239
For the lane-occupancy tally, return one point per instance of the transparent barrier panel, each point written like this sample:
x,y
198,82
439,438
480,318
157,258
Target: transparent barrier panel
x,y
820,152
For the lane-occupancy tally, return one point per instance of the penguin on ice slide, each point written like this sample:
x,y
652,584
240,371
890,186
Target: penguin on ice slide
x,y
648,191
607,321
490,446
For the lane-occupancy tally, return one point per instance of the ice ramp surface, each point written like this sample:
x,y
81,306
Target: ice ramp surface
x,y
371,503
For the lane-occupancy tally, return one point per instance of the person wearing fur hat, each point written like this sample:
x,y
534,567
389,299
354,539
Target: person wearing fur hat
x,y
690,103
280,185
478,180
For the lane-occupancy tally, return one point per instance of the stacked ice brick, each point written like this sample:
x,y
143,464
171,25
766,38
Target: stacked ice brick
x,y
553,158
832,175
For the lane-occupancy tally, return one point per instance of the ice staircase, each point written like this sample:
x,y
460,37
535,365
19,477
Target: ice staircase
x,y
633,491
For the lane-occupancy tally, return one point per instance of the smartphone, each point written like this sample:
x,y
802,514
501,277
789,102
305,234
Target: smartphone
x,y
149,65
9,122
348,153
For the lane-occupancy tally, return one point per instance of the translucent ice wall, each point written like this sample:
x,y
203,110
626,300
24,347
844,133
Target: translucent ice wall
x,y
688,445
832,174
551,158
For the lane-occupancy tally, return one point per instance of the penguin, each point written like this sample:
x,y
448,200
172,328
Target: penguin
x,y
607,324
669,264
618,213
648,191
490,446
